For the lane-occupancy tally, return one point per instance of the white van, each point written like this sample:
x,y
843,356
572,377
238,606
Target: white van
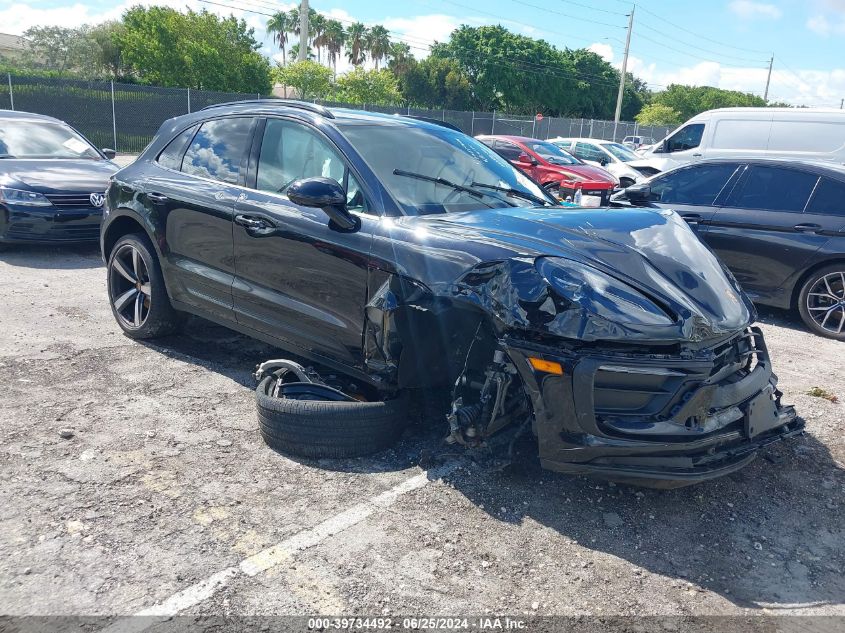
x,y
799,133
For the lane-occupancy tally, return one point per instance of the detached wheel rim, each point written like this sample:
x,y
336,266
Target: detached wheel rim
x,y
129,287
826,302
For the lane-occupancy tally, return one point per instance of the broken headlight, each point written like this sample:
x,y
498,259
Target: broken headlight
x,y
600,294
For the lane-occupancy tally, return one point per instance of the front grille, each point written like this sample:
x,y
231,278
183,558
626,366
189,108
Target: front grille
x,y
633,397
70,199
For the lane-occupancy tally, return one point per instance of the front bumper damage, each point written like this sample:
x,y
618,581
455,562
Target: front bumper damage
x,y
662,420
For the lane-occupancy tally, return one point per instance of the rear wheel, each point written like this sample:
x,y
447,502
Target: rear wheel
x,y
137,294
821,302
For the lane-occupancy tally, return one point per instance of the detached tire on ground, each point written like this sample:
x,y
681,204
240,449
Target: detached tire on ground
x,y
328,428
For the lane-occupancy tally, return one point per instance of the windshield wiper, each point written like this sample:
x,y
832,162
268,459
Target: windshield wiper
x,y
440,181
514,192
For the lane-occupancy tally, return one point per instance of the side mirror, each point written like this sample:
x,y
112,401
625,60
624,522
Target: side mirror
x,y
638,193
526,158
108,152
603,161
325,194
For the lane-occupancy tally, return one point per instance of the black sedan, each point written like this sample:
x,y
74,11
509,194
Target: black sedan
x,y
778,226
409,256
52,181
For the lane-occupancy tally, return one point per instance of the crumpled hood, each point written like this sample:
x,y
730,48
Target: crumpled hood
x,y
652,250
58,175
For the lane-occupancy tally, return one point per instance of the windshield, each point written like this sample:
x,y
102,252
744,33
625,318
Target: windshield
x,y
552,153
41,139
408,158
621,152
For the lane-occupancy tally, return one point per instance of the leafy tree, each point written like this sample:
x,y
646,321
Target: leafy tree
x,y
691,100
436,83
658,114
280,26
108,55
51,46
359,86
193,50
378,43
334,37
294,52
356,43
311,79
399,58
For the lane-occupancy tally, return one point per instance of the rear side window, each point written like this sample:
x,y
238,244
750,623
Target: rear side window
x,y
218,149
699,185
171,156
775,189
829,198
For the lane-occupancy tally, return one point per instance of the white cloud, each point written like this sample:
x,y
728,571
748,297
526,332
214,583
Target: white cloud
x,y
605,51
748,10
821,25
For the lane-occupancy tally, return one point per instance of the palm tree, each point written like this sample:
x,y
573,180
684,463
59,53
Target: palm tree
x,y
294,52
333,39
399,54
316,28
378,43
280,26
356,48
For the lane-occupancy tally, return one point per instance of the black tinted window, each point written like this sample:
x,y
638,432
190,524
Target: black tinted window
x,y
171,156
687,137
696,185
507,150
829,198
217,149
775,189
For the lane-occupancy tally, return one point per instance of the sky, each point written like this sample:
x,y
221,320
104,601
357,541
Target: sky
x,y
723,43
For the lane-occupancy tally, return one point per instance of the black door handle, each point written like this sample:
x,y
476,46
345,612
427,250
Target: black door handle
x,y
157,198
807,228
251,223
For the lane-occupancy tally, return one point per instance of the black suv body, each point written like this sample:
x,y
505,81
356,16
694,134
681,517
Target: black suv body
x,y
409,255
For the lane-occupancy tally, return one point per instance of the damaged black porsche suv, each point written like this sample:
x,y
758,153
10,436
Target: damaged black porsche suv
x,y
408,257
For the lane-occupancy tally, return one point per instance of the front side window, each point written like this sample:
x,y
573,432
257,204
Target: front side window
x,y
588,151
172,155
621,152
43,139
291,151
698,185
829,198
507,150
775,189
552,153
218,149
688,137
407,158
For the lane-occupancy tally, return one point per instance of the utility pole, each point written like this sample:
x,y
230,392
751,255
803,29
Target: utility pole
x,y
303,30
768,79
624,71
841,103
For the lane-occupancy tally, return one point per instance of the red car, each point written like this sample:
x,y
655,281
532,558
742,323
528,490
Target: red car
x,y
559,172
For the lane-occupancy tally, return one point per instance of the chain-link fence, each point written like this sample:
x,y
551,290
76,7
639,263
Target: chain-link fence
x,y
126,116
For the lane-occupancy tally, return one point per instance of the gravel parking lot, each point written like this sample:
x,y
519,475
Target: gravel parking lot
x,y
165,497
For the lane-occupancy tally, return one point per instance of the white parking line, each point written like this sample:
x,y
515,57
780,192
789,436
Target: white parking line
x,y
272,556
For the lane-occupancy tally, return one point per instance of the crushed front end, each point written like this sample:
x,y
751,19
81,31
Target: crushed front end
x,y
663,418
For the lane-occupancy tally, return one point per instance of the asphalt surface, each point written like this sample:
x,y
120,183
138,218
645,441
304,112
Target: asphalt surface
x,y
163,499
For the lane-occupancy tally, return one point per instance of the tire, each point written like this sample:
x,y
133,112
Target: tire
x,y
821,302
326,428
136,289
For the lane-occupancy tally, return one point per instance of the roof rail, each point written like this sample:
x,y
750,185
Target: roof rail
x,y
291,103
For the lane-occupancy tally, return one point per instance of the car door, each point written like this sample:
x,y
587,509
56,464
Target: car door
x,y
682,147
761,232
192,193
693,192
298,278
